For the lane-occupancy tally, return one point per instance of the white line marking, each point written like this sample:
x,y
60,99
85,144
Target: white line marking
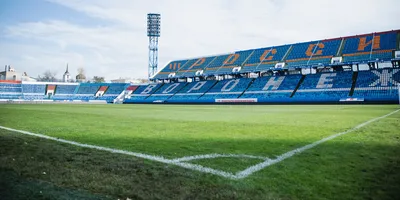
x,y
214,155
139,155
260,166
182,162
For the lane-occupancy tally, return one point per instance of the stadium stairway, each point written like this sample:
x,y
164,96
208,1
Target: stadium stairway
x,y
156,90
251,83
120,98
77,89
298,85
353,85
398,41
247,59
341,47
287,53
216,82
177,91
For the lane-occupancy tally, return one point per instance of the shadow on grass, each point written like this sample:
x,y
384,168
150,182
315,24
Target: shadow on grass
x,y
334,170
14,186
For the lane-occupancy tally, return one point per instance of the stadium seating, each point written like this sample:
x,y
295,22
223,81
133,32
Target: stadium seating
x,y
166,91
87,88
265,59
111,91
194,65
313,53
65,89
378,85
89,91
10,90
362,48
325,87
370,47
64,92
6,87
217,63
289,84
115,88
108,99
273,88
192,91
225,64
34,91
170,68
227,89
142,93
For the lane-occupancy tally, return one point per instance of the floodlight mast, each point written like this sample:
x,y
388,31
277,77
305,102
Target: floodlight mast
x,y
153,32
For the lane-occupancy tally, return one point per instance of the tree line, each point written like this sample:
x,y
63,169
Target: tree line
x,y
51,76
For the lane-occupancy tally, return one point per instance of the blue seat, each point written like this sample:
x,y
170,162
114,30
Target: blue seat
x,y
10,91
325,87
171,67
378,85
280,91
65,89
115,88
313,53
370,47
265,59
194,65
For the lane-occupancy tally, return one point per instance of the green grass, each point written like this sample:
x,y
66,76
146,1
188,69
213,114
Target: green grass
x,y
364,164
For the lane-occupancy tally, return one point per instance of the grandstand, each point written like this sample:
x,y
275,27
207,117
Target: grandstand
x,y
362,68
321,71
333,87
34,91
345,51
10,90
48,91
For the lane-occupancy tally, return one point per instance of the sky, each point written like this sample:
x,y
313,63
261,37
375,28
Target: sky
x,y
108,37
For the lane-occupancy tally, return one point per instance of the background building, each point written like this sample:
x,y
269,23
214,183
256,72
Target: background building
x,y
10,74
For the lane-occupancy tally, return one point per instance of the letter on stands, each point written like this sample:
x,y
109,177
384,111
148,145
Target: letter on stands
x,y
170,88
199,62
325,81
274,83
197,86
315,49
231,59
174,66
386,78
148,89
268,55
230,85
363,43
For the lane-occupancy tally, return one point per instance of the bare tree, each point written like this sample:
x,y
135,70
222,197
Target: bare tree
x,y
81,75
48,76
81,71
98,79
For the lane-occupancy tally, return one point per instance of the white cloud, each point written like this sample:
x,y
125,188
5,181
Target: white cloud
x,y
189,29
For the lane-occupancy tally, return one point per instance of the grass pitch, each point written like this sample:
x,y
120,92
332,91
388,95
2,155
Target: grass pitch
x,y
364,164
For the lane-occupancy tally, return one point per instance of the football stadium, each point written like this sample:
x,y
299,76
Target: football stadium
x,y
307,120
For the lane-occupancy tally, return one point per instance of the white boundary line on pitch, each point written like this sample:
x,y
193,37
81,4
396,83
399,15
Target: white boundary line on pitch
x,y
214,155
182,162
